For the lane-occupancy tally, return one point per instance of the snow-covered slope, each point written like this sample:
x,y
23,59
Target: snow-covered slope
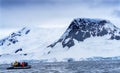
x,y
87,38
83,38
11,43
27,43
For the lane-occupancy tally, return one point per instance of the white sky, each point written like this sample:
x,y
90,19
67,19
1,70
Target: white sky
x,y
16,14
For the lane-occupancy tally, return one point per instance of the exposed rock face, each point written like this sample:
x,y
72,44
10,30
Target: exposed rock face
x,y
13,38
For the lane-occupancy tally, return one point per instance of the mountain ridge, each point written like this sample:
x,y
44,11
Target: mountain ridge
x,y
83,28
12,38
84,38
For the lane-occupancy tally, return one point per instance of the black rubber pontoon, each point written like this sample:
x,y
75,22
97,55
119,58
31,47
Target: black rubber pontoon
x,y
26,67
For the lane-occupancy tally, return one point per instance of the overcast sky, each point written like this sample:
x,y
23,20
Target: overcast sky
x,y
16,14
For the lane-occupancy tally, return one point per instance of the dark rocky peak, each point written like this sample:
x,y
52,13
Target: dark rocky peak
x,y
85,23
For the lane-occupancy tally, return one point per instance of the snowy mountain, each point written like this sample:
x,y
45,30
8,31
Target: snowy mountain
x,y
84,28
27,43
13,38
84,38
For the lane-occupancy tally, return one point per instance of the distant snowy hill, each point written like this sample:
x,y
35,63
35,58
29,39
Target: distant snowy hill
x,y
27,43
84,38
13,38
102,58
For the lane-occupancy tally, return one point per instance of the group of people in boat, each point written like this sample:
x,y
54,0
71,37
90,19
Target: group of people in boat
x,y
19,64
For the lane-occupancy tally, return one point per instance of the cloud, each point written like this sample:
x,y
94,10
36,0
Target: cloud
x,y
102,3
9,3
116,13
18,13
111,2
13,3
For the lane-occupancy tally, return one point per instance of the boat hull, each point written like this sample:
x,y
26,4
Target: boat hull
x,y
26,67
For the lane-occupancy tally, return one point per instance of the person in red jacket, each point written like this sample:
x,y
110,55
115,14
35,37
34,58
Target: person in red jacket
x,y
23,64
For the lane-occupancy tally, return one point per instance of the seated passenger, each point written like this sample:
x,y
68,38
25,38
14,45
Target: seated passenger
x,y
15,64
